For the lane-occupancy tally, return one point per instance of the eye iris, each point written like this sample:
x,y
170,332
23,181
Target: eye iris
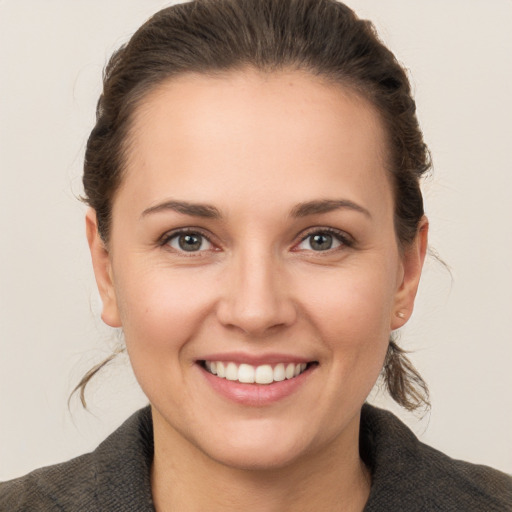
x,y
321,242
190,242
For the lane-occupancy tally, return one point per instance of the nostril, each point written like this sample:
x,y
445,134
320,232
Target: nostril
x,y
256,303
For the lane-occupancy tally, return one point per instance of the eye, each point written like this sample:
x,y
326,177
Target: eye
x,y
189,242
322,240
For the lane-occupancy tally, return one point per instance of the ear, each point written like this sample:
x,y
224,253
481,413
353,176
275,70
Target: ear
x,y
412,264
102,270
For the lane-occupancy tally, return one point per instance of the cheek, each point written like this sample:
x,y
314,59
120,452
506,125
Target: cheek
x,y
351,311
161,309
351,301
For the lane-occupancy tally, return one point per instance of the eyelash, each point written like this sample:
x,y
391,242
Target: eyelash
x,y
343,238
167,237
340,236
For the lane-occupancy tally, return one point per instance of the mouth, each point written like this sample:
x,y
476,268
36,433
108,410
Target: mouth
x,y
263,374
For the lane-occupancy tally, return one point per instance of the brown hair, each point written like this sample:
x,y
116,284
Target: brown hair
x,y
323,37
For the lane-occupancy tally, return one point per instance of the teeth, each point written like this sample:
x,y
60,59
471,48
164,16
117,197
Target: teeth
x,y
232,372
279,374
221,372
264,374
246,373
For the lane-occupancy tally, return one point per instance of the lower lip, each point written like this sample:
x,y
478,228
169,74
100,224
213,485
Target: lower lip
x,y
256,395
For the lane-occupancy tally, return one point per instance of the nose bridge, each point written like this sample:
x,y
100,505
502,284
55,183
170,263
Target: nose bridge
x,y
256,295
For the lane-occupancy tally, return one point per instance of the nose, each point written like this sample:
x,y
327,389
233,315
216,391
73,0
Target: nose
x,y
256,296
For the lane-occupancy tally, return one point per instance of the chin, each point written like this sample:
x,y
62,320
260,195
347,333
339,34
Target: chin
x,y
256,458
258,447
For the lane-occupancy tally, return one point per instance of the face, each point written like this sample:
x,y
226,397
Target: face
x,y
253,237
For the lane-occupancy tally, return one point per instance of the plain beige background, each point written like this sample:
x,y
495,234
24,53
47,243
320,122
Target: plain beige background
x,y
51,57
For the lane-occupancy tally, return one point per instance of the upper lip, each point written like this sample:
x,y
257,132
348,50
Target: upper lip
x,y
255,359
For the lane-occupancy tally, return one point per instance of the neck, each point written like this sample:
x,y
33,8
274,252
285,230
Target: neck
x,y
184,478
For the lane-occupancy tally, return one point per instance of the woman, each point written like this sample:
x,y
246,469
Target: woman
x,y
257,231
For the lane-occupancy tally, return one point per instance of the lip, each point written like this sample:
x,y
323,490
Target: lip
x,y
255,359
256,395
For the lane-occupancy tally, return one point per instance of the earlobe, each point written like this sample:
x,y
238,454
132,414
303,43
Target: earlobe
x,y
102,271
412,261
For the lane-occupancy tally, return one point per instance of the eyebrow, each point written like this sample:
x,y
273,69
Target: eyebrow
x,y
326,206
194,209
301,210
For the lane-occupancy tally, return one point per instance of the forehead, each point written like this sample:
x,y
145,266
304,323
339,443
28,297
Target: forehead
x,y
255,131
242,98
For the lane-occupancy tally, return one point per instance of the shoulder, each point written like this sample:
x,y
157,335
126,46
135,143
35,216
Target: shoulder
x,y
113,477
409,475
50,488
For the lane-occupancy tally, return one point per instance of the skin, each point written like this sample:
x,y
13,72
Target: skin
x,y
255,147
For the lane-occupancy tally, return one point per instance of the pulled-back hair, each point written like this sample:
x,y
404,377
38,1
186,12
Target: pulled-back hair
x,y
322,37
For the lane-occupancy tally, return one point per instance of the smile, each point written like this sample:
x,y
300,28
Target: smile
x,y
249,374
